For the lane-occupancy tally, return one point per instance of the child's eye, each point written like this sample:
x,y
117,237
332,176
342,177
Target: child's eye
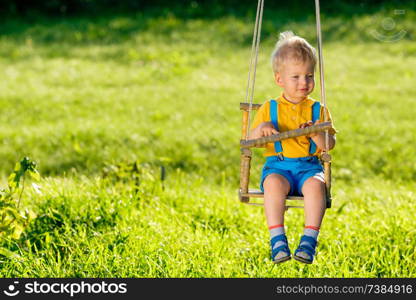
x,y
296,76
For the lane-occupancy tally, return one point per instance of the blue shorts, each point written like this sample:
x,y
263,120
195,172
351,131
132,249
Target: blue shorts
x,y
295,170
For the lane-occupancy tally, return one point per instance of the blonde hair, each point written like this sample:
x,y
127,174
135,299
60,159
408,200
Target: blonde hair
x,y
294,47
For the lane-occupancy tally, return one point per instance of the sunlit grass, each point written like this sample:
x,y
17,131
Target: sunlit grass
x,y
77,95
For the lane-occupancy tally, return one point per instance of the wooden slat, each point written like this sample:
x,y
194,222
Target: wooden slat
x,y
244,125
327,170
285,135
244,174
246,106
259,194
261,204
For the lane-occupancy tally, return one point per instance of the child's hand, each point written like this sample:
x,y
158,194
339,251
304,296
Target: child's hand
x,y
264,129
309,123
267,129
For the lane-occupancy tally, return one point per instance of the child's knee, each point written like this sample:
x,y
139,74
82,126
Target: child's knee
x,y
276,182
313,185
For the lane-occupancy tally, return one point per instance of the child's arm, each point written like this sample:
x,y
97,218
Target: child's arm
x,y
264,129
319,137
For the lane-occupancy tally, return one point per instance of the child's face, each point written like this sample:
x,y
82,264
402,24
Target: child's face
x,y
297,80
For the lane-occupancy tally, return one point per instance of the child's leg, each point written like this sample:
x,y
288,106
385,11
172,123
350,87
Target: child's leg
x,y
276,188
314,206
313,191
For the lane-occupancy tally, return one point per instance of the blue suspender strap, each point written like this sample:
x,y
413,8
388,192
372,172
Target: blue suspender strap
x,y
316,114
274,119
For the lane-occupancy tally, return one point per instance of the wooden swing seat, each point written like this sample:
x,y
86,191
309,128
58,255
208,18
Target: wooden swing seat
x,y
259,194
245,194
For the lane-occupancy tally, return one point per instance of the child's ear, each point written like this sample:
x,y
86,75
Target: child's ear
x,y
278,79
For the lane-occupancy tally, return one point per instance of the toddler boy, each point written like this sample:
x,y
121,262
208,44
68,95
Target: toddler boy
x,y
292,166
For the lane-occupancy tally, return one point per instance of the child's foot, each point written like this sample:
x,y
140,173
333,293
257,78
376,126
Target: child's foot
x,y
306,250
280,249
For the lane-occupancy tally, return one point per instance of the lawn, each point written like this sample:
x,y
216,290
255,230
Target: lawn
x,y
87,98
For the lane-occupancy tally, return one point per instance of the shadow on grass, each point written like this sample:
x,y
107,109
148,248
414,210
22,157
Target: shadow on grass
x,y
112,28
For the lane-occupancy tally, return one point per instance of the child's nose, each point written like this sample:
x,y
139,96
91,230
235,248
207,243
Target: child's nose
x,y
303,80
306,80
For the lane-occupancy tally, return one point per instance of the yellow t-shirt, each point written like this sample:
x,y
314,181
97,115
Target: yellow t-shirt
x,y
290,117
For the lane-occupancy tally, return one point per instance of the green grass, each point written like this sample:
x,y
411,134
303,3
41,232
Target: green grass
x,y
78,95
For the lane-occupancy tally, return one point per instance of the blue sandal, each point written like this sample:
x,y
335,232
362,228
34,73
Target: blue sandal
x,y
283,248
307,245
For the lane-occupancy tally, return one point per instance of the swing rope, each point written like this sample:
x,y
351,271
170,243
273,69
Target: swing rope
x,y
253,63
321,69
